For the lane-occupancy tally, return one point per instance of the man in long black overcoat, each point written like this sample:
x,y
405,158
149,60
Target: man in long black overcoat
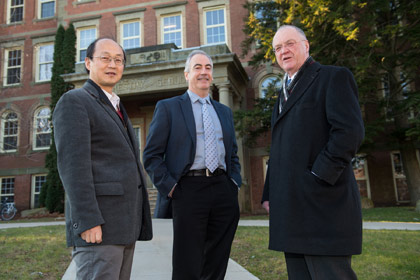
x,y
310,190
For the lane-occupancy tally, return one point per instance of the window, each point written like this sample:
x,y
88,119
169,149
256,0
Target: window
x,y
271,82
42,129
15,11
86,36
37,182
9,132
13,67
171,30
45,62
400,183
7,190
360,170
215,26
46,8
131,35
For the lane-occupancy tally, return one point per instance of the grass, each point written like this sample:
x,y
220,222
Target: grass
x,y
387,254
380,214
41,252
33,253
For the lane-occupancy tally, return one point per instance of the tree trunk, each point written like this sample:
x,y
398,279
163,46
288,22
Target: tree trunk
x,y
412,170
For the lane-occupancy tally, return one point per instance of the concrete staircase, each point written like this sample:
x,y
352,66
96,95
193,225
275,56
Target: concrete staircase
x,y
153,192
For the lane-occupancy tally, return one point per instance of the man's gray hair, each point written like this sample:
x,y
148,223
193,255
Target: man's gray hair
x,y
300,31
190,56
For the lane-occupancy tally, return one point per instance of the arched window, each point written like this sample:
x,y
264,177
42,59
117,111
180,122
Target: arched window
x,y
9,132
42,129
266,83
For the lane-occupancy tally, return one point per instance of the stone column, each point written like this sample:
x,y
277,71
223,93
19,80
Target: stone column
x,y
225,96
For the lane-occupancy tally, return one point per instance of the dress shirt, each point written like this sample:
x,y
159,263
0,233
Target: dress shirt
x,y
199,160
115,100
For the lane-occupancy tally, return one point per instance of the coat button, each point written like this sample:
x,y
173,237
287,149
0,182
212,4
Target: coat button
x,y
75,225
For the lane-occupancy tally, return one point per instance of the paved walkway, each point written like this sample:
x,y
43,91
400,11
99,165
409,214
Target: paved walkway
x,y
152,259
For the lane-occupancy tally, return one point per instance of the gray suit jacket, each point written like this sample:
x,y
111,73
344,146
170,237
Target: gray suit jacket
x,y
99,165
171,145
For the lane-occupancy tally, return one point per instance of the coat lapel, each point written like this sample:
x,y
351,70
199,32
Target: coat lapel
x,y
106,105
186,108
302,85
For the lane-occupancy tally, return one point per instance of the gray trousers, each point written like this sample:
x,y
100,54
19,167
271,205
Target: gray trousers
x,y
105,262
308,267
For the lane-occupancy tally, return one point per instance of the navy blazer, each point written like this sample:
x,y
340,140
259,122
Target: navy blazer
x,y
171,142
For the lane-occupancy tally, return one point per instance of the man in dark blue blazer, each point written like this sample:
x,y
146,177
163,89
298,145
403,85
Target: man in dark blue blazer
x,y
310,190
204,201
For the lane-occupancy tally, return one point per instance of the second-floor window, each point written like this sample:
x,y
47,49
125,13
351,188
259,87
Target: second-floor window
x,y
13,67
171,30
46,8
215,25
86,36
45,62
9,132
15,11
42,129
130,36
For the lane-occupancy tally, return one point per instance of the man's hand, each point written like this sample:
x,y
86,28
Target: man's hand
x,y
93,235
266,206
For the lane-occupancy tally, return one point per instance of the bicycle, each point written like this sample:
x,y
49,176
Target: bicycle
x,y
8,210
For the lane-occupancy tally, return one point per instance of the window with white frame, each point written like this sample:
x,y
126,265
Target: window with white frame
x,y
86,36
172,30
46,8
37,182
360,170
7,192
45,62
15,11
402,193
215,26
130,34
9,132
13,67
42,129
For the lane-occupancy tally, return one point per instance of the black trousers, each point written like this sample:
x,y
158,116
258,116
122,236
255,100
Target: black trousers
x,y
205,218
309,267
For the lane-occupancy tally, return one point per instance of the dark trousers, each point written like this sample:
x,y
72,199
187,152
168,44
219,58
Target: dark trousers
x,y
104,262
205,218
302,267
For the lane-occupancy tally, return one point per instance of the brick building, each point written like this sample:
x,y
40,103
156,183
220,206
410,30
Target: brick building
x,y
157,35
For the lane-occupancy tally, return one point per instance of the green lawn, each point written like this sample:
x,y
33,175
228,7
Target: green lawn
x,y
387,254
41,253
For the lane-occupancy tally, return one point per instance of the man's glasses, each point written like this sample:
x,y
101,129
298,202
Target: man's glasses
x,y
107,60
287,45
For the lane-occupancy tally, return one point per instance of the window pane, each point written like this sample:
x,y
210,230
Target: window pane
x,y
13,76
172,30
131,35
215,22
16,14
86,37
43,129
45,62
47,9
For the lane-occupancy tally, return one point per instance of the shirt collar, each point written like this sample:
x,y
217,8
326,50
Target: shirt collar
x,y
194,97
115,100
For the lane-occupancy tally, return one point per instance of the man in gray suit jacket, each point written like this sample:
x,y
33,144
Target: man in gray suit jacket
x,y
204,200
107,207
310,190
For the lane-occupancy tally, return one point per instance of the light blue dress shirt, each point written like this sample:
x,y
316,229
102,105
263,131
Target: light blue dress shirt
x,y
199,160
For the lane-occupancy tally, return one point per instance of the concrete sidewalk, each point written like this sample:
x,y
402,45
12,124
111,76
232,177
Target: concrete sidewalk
x,y
153,259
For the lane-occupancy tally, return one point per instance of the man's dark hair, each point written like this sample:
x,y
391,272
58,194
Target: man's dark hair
x,y
91,50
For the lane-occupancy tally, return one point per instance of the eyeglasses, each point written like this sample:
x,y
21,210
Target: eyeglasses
x,y
287,45
107,59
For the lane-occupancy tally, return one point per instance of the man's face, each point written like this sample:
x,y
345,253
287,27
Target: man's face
x,y
200,76
291,50
105,74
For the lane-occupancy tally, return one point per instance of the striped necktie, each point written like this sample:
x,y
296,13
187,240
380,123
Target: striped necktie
x,y
210,147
